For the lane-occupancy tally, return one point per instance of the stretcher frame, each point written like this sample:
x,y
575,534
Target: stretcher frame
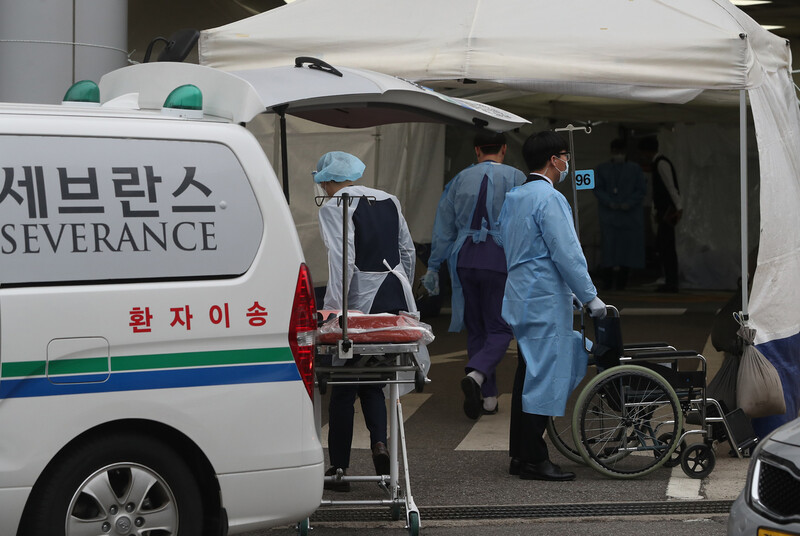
x,y
387,361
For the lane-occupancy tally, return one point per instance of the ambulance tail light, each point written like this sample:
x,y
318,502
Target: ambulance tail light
x,y
303,328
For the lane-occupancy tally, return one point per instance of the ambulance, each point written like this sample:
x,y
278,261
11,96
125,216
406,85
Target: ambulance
x,y
157,320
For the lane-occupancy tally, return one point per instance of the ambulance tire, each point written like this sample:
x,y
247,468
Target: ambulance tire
x,y
108,466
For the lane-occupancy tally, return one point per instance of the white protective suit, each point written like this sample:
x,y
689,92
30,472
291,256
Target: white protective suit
x,y
369,291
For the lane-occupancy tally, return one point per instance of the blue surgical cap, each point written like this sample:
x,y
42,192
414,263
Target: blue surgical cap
x,y
338,166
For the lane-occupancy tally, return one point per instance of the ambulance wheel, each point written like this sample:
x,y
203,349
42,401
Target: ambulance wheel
x,y
419,381
304,527
413,524
698,460
118,484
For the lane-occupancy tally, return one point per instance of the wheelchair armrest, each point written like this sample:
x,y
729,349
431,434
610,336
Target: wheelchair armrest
x,y
646,346
669,354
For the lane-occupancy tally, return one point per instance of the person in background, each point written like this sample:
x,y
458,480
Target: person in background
x,y
465,235
547,276
620,188
668,208
380,264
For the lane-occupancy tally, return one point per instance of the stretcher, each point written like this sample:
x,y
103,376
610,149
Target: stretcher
x,y
374,349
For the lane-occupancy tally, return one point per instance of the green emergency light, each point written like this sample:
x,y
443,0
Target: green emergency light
x,y
84,91
184,101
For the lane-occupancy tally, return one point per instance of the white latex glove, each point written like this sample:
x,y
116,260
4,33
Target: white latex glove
x,y
597,309
576,303
431,282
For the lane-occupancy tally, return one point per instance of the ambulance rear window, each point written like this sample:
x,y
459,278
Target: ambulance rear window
x,y
79,209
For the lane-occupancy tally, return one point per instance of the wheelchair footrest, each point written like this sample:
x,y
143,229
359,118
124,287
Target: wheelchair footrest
x,y
742,434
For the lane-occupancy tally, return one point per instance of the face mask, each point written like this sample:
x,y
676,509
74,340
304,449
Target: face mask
x,y
563,174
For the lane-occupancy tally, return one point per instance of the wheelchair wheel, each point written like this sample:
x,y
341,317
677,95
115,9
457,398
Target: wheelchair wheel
x,y
627,422
559,429
698,460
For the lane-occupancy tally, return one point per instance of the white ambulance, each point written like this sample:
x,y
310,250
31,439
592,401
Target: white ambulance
x,y
156,318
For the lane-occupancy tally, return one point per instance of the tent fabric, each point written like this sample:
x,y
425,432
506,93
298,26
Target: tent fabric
x,y
497,51
654,50
775,303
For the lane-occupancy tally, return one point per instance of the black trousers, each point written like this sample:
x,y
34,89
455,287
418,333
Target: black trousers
x,y
665,242
340,419
526,434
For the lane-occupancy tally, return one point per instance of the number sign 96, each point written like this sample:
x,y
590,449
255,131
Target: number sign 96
x,y
584,179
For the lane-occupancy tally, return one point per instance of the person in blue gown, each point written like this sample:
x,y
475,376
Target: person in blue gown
x,y
465,235
547,273
620,188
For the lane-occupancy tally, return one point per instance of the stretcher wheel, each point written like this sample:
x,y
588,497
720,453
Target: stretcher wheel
x,y
619,417
322,384
419,381
413,524
304,527
698,460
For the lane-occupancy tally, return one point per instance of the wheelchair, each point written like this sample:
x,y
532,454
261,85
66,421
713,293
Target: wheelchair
x,y
630,414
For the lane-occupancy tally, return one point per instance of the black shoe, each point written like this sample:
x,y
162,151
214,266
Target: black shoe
x,y
545,470
515,466
380,458
336,485
473,402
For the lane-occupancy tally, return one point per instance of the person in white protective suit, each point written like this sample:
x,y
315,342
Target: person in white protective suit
x,y
465,235
380,264
547,275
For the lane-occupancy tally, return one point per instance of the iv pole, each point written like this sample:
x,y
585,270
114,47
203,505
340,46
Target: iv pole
x,y
570,128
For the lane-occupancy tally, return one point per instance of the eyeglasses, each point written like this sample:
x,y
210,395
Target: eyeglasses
x,y
565,154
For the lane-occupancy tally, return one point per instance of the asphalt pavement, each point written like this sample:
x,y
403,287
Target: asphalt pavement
x,y
459,467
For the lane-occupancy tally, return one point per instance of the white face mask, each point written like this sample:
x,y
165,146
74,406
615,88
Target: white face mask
x,y
563,174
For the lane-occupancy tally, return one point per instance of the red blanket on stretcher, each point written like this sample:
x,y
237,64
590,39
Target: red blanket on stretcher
x,y
376,328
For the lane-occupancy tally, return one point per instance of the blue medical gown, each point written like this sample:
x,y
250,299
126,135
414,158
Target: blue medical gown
x,y
451,227
545,266
620,190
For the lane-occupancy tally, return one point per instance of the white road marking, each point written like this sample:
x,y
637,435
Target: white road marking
x,y
682,487
490,432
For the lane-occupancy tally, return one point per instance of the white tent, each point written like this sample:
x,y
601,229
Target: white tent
x,y
594,53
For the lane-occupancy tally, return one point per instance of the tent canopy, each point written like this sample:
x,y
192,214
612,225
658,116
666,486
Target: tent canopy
x,y
650,50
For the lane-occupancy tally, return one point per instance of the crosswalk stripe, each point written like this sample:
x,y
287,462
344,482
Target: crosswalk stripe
x,y
490,432
411,403
681,486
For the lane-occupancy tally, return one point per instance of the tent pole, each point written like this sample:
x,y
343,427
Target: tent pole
x,y
743,194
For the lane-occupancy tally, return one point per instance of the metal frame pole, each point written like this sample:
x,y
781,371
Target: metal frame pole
x,y
573,166
743,194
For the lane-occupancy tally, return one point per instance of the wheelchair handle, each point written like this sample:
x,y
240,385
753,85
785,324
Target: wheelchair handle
x,y
610,309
